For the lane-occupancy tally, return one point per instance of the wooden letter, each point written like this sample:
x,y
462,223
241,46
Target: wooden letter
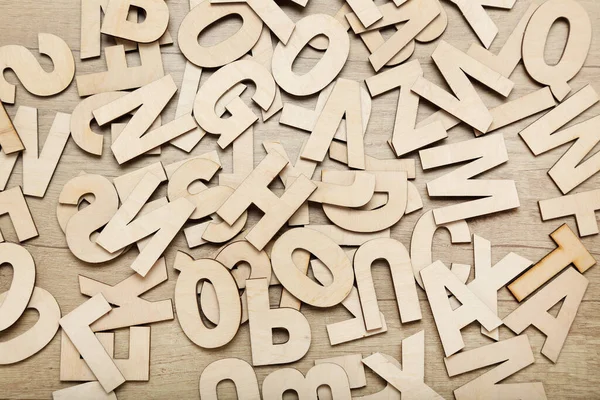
x,y
263,320
76,325
12,202
570,250
297,283
9,138
154,26
33,77
395,254
238,371
570,286
90,390
467,106
436,279
486,153
23,283
163,223
576,49
289,379
581,205
328,67
254,190
513,355
186,301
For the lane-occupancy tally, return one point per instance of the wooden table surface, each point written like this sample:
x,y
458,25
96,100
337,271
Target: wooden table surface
x,y
176,363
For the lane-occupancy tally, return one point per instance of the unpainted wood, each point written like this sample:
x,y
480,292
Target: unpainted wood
x,y
153,27
326,374
23,283
89,390
233,369
10,142
13,203
581,205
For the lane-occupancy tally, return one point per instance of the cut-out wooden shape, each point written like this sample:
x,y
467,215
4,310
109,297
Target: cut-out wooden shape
x,y
321,42
9,138
134,368
117,128
512,355
185,105
23,282
347,238
326,69
387,393
271,14
263,320
486,153
132,309
508,58
289,379
569,251
155,24
81,120
344,99
406,138
83,224
422,240
297,283
338,152
236,254
489,280
90,390
163,224
410,379
465,104
570,286
355,195
396,256
518,109
480,21
436,279
126,183
365,11
543,135
243,160
418,15
76,325
394,184
352,365
38,168
31,75
351,329
581,205
254,190
233,369
227,50
558,75
241,116
186,301
301,260
39,335
12,202
134,140
118,75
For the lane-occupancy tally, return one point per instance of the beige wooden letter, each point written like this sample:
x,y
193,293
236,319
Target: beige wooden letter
x,y
436,279
9,138
410,379
290,379
76,325
569,251
406,138
12,202
163,224
241,116
132,309
570,286
186,301
31,75
576,49
23,282
154,26
296,282
395,254
582,205
328,67
572,169
486,153
263,320
238,371
513,355
227,50
254,190
90,390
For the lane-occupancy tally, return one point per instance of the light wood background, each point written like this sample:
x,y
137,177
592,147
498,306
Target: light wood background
x,y
176,363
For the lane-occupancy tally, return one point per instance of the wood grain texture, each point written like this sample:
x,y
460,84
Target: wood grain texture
x,y
175,362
